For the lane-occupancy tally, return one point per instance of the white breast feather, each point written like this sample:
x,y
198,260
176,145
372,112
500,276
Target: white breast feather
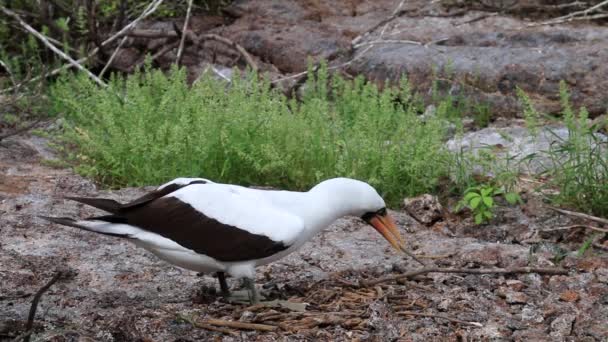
x,y
242,209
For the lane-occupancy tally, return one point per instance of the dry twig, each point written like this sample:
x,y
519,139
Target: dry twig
x,y
30,318
19,130
451,319
210,36
576,226
180,50
109,62
411,274
240,325
207,326
580,215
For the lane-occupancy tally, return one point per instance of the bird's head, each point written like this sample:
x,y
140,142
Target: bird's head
x,y
360,199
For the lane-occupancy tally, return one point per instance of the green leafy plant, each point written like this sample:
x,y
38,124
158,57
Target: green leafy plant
x,y
480,200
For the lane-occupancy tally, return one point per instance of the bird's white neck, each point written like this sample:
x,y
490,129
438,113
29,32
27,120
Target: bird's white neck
x,y
318,208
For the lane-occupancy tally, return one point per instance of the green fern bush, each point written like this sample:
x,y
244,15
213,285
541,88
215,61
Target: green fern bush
x,y
151,127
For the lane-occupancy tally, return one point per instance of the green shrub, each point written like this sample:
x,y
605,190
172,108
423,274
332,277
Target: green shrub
x,y
151,127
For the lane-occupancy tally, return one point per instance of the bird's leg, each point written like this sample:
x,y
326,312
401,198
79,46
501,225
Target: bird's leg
x,y
253,293
221,277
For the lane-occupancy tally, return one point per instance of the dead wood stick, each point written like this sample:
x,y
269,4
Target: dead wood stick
x,y
211,36
600,246
411,274
576,226
20,130
50,45
109,62
580,215
240,325
180,49
206,326
30,318
451,319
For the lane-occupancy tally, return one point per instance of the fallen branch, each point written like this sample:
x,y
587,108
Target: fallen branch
x,y
600,246
20,130
50,45
580,215
197,40
30,318
109,62
411,274
207,326
240,325
180,50
576,226
210,36
455,320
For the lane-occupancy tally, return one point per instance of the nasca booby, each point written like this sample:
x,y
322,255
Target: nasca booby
x,y
210,227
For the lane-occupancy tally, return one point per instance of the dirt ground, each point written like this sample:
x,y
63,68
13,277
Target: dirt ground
x,y
114,291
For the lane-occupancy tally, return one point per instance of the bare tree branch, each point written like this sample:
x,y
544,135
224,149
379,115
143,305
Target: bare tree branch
x,y
180,50
580,215
109,62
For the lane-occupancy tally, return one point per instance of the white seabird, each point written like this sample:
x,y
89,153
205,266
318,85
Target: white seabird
x,y
210,227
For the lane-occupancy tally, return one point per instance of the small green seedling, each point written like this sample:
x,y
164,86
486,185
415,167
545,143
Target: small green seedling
x,y
480,199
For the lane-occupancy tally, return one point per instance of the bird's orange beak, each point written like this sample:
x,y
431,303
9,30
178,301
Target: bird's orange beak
x,y
386,226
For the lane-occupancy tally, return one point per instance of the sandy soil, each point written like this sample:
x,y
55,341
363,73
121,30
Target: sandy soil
x,y
116,292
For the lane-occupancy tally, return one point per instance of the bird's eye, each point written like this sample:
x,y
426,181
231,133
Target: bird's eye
x,y
381,212
368,216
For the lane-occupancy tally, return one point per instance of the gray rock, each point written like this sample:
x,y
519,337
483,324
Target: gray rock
x,y
562,326
515,142
426,208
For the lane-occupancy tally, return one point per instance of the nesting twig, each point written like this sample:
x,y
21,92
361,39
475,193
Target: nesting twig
x,y
597,229
411,274
50,45
206,326
240,325
451,319
180,50
30,318
580,215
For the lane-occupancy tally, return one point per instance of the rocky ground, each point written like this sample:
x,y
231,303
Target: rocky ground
x,y
113,291
478,49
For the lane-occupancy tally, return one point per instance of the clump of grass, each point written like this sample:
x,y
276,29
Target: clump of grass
x,y
151,127
580,162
